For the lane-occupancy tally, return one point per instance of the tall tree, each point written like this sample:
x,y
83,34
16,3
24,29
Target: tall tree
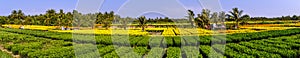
x,y
16,17
2,20
191,17
21,17
295,17
77,19
61,18
237,15
50,17
203,18
106,19
124,22
143,22
69,19
28,20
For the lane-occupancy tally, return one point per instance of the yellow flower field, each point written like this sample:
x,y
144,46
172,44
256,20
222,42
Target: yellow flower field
x,y
166,31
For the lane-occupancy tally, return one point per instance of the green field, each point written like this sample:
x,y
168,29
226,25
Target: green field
x,y
35,43
5,55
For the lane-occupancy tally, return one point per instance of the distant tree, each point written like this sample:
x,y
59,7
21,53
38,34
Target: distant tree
x,y
203,19
295,17
21,17
237,15
16,17
50,17
69,19
2,20
106,19
124,22
13,16
28,20
77,19
298,18
89,20
191,18
61,18
143,22
245,19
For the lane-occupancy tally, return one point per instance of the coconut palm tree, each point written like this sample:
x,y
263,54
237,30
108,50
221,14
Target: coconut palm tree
x,y
143,22
12,16
16,17
61,18
50,17
191,17
69,19
124,22
237,15
106,19
203,18
2,20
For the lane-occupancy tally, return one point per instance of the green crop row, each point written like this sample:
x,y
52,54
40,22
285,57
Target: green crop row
x,y
210,52
283,52
230,53
5,55
173,41
191,52
254,52
156,52
174,52
238,37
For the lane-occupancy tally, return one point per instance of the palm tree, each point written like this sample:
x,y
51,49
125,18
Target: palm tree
x,y
143,22
203,18
69,19
16,17
50,16
12,16
28,20
106,19
237,15
21,17
191,17
124,22
61,18
77,19
2,20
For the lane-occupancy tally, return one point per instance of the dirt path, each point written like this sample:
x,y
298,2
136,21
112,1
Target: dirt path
x,y
9,52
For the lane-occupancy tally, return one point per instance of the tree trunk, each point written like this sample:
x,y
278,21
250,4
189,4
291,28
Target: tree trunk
x,y
124,27
237,25
143,28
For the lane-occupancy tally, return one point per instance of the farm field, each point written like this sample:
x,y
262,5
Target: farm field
x,y
165,31
149,29
37,43
5,55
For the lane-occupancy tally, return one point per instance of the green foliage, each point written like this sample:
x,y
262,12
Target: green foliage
x,y
237,16
173,52
143,22
5,55
41,44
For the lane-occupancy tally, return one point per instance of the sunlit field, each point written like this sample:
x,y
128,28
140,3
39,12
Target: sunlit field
x,y
258,40
171,32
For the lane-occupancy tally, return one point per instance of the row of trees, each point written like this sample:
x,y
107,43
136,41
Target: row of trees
x,y
76,19
203,20
294,17
53,18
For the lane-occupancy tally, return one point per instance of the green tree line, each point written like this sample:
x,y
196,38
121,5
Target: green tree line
x,y
76,19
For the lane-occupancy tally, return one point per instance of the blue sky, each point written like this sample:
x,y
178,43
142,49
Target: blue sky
x,y
267,8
